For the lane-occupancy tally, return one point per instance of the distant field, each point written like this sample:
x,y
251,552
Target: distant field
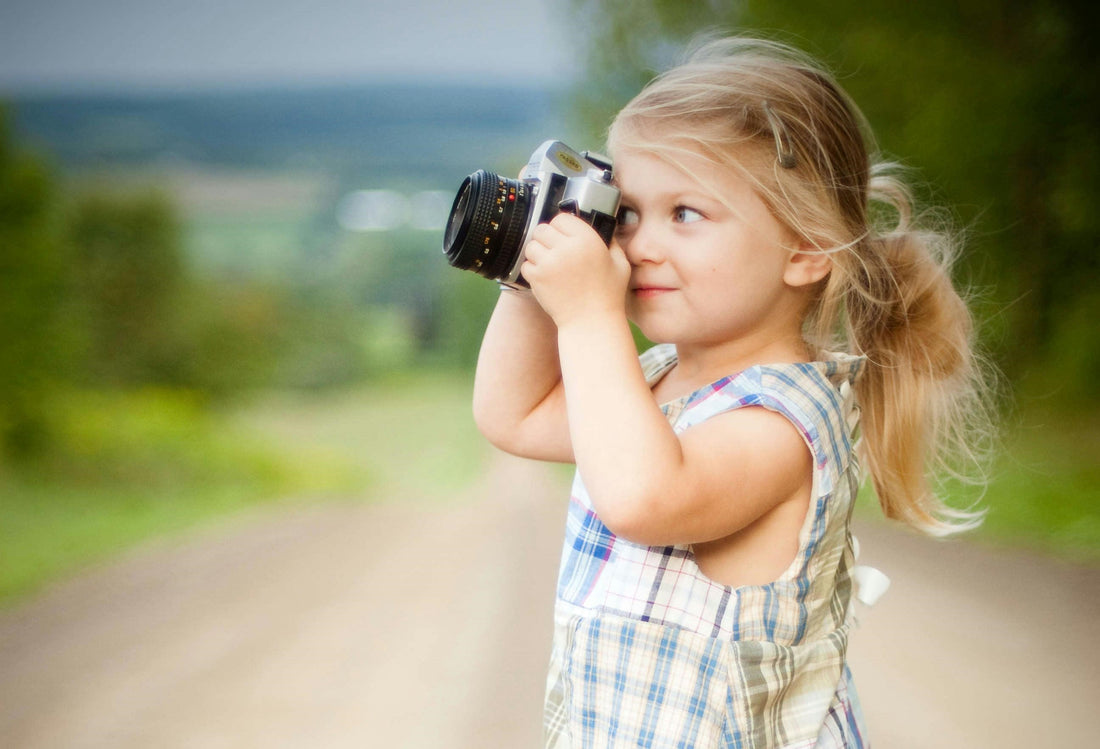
x,y
263,244
414,433
280,226
251,223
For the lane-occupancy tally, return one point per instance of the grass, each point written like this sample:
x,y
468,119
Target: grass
x,y
129,466
135,466
1045,489
54,527
413,433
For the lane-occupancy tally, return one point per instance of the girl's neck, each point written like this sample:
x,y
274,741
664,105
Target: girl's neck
x,y
700,364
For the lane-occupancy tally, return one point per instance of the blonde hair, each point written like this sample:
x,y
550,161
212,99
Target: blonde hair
x,y
779,119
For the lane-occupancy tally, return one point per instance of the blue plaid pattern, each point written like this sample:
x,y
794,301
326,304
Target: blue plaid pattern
x,y
650,652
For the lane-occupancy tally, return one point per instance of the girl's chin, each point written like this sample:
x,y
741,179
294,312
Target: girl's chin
x,y
652,333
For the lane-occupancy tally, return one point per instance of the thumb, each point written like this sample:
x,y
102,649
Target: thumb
x,y
618,255
620,266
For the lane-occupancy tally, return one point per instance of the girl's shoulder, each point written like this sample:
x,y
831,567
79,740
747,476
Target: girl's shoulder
x,y
831,371
817,397
831,374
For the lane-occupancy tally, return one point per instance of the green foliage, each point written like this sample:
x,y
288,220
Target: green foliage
x,y
96,291
411,430
155,462
128,275
146,318
465,303
228,336
125,466
157,439
1044,492
34,333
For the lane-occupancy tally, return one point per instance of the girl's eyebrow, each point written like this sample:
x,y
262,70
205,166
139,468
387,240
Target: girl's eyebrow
x,y
672,196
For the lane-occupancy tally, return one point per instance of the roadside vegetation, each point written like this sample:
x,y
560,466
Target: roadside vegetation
x,y
154,464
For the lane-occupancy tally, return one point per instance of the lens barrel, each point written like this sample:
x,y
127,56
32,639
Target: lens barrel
x,y
488,218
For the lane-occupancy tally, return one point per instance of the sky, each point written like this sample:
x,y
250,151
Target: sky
x,y
127,44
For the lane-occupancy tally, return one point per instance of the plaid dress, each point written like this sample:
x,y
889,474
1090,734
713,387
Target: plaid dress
x,y
650,652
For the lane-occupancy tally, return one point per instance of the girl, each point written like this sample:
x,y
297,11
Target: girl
x,y
705,584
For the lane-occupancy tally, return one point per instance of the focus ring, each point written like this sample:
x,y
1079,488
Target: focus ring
x,y
507,252
480,248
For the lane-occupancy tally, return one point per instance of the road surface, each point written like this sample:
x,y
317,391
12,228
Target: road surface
x,y
410,624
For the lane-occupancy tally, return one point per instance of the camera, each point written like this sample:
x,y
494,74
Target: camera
x,y
492,216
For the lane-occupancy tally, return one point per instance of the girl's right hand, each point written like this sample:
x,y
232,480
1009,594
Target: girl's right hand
x,y
572,273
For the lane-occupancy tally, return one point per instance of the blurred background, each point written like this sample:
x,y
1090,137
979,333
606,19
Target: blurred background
x,y
221,283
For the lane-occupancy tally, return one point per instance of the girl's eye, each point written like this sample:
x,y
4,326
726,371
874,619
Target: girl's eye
x,y
628,217
685,215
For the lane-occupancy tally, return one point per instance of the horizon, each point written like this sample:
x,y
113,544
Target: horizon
x,y
109,90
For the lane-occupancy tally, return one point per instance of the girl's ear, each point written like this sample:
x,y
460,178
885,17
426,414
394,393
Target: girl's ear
x,y
806,266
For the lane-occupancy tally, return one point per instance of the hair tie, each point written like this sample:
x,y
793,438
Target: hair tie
x,y
784,154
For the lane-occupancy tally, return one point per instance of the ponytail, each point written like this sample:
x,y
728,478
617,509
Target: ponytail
x,y
922,393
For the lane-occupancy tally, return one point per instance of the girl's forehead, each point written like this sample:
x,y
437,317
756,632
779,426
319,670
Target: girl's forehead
x,y
642,166
641,171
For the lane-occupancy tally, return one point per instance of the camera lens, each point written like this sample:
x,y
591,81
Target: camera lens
x,y
485,230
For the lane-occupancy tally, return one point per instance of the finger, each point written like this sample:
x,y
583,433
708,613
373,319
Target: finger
x,y
570,225
619,258
532,273
547,234
533,250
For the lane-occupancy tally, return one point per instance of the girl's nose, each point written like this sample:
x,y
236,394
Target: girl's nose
x,y
642,246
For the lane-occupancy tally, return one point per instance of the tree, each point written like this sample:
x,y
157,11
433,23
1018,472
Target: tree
x,y
36,334
128,276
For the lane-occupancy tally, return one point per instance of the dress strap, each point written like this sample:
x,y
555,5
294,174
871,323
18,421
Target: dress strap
x,y
657,361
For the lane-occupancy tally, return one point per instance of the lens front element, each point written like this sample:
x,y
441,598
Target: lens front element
x,y
485,230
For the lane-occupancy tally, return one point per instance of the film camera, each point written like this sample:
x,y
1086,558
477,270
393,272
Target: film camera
x,y
493,216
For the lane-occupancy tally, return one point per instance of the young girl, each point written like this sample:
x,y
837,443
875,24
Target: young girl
x,y
705,585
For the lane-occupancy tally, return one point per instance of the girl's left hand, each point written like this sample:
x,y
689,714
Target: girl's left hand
x,y
572,273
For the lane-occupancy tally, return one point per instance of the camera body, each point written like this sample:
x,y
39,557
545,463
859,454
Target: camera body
x,y
493,217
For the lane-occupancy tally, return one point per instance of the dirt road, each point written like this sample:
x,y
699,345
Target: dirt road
x,y
407,625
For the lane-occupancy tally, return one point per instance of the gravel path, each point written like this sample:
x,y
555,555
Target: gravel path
x,y
414,625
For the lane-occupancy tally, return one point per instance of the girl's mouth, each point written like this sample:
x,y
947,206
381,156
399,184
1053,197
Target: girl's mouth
x,y
648,292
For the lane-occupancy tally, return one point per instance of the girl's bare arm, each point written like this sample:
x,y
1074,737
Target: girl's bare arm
x,y
519,400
